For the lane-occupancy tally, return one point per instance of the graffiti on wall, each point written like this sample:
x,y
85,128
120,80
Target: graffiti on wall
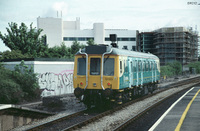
x,y
56,84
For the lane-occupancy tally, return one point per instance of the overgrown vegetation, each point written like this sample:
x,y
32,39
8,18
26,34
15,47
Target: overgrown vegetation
x,y
18,85
171,69
195,65
22,84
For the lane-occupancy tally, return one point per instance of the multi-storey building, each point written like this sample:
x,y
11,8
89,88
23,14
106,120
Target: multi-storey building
x,y
58,31
176,44
145,42
170,44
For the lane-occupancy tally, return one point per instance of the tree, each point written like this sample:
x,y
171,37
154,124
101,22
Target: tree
x,y
167,71
195,65
18,85
14,54
90,42
176,66
26,40
75,47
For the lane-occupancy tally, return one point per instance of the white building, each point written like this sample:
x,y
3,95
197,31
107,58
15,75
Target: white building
x,y
58,31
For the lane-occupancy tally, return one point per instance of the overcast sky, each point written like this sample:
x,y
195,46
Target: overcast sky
x,y
142,15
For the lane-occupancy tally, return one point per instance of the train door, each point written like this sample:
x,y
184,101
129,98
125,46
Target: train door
x,y
130,62
94,72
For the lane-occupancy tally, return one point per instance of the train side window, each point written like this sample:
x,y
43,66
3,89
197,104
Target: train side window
x,y
135,66
139,66
81,66
147,66
153,66
132,67
143,66
150,66
120,67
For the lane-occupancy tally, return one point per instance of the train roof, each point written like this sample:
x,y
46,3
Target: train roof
x,y
100,49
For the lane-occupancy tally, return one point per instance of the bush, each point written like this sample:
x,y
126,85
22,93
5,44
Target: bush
x,y
19,85
171,69
195,65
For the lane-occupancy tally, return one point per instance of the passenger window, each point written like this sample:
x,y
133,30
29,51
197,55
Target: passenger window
x,y
109,67
132,67
95,66
120,67
139,66
147,66
81,66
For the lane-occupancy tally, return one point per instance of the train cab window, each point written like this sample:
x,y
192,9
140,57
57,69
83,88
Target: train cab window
x,y
95,66
81,66
108,68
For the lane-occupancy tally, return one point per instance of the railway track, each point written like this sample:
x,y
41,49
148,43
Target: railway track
x,y
83,118
140,115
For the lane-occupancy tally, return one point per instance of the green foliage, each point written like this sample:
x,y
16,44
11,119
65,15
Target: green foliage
x,y
90,42
171,69
18,85
195,65
24,39
167,71
176,66
59,52
14,54
75,47
27,43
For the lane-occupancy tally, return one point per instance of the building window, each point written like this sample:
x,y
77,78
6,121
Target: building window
x,y
77,38
107,39
122,39
88,38
133,48
125,47
81,39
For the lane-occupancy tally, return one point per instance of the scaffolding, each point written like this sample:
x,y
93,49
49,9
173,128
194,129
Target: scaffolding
x,y
176,44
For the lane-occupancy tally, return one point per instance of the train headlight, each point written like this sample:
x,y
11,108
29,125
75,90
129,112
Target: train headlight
x,y
107,92
78,92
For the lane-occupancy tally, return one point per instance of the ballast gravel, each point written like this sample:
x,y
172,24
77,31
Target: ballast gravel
x,y
109,122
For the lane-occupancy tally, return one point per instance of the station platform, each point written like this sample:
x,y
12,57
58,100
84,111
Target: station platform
x,y
183,115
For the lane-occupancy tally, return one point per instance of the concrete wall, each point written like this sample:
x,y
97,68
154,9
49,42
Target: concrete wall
x,y
52,27
56,30
55,77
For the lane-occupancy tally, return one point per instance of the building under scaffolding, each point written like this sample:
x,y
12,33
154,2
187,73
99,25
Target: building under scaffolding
x,y
170,44
176,44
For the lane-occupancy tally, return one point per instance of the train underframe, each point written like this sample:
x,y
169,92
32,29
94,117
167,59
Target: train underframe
x,y
109,98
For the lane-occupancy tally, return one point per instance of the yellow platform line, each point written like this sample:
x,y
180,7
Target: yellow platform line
x,y
178,127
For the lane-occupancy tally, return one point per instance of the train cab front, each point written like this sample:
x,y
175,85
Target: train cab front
x,y
94,76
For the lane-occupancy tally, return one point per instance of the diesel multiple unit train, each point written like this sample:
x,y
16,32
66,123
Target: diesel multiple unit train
x,y
107,75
